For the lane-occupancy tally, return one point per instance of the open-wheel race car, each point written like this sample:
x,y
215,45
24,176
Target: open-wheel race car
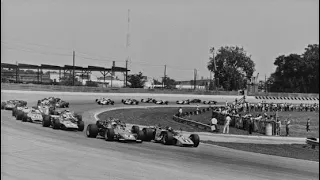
x,y
148,100
11,104
183,102
30,115
209,102
55,102
114,130
130,101
64,120
195,101
161,102
105,101
168,136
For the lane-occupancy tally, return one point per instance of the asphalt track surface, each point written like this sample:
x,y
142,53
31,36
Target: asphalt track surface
x,y
30,151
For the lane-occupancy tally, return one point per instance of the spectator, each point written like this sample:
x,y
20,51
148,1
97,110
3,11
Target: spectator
x,y
278,127
180,112
214,126
250,125
197,109
308,125
226,125
288,121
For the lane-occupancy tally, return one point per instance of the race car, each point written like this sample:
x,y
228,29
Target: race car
x,y
9,105
105,101
183,102
130,101
52,101
209,102
161,102
195,101
64,120
19,112
113,130
34,115
168,136
149,100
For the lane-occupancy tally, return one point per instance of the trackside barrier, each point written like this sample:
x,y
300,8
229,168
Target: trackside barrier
x,y
313,142
199,125
259,126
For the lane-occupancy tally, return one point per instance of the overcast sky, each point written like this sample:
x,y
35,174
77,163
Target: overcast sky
x,y
178,33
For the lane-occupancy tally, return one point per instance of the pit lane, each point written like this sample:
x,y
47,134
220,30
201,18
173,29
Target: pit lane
x,y
30,151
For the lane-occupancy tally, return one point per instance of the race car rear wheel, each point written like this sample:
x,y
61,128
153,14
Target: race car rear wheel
x,y
92,131
135,129
56,124
14,111
109,135
167,138
80,125
24,118
46,121
19,115
149,134
195,139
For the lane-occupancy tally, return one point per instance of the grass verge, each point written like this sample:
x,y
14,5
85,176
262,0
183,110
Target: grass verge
x,y
297,151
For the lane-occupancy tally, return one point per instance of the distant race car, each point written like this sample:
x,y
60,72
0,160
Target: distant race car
x,y
64,120
161,102
168,136
148,100
54,102
114,131
19,112
130,101
183,102
195,101
105,101
209,102
9,105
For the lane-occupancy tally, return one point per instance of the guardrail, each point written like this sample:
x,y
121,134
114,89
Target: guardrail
x,y
313,142
193,123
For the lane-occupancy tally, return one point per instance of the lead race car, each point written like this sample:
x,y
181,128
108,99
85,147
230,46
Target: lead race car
x,y
104,101
168,136
64,120
130,101
113,130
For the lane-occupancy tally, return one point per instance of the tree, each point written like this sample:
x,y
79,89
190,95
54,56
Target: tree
x,y
136,80
169,83
233,67
156,82
297,73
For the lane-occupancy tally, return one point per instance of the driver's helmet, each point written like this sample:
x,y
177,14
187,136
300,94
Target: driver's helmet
x,y
170,129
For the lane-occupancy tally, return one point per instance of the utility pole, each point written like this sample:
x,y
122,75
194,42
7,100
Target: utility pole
x,y
73,77
164,76
126,73
265,83
195,78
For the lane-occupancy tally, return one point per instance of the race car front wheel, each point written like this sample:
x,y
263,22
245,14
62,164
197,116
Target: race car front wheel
x,y
92,131
80,125
195,139
46,121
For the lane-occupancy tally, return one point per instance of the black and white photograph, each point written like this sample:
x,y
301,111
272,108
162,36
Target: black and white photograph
x,y
159,89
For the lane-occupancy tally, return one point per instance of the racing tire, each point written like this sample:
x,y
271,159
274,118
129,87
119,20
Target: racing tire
x,y
167,138
135,129
149,134
112,103
2,105
92,131
141,136
195,139
109,135
19,115
56,124
80,125
46,121
24,118
14,111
